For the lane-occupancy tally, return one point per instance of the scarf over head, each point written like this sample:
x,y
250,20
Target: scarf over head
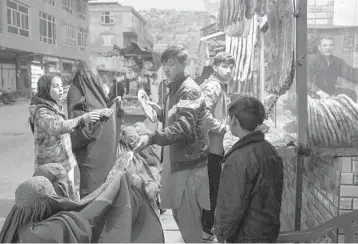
x,y
57,175
43,98
95,149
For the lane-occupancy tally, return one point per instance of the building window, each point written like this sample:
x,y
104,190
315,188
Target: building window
x,y
47,28
52,2
82,39
81,8
107,18
18,18
107,40
68,34
67,6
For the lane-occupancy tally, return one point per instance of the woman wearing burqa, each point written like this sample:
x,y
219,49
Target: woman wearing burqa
x,y
117,212
94,146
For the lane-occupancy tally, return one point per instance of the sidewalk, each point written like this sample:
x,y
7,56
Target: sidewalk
x,y
171,232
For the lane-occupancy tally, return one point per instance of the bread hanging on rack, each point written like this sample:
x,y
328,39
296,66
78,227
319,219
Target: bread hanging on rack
x,y
332,121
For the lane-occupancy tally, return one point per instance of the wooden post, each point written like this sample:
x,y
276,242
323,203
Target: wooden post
x,y
301,95
263,29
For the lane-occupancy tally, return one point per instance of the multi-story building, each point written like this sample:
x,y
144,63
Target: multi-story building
x,y
113,24
52,33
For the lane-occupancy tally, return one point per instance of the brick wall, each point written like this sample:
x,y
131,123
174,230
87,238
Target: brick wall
x,y
320,197
320,12
289,195
349,188
330,187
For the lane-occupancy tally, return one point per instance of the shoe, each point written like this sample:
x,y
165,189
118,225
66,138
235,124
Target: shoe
x,y
208,238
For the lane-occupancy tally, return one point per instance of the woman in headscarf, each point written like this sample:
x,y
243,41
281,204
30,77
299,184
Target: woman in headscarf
x,y
143,164
57,174
118,211
50,127
94,148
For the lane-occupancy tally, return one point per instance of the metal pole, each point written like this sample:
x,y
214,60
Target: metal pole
x,y
301,94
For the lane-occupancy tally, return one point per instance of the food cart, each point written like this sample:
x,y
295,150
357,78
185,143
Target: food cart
x,y
315,137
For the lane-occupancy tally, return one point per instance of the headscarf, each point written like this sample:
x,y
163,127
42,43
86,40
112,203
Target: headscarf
x,y
129,136
57,175
89,83
43,87
33,203
138,166
43,97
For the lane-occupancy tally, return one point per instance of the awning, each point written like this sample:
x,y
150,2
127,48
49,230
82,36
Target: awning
x,y
205,38
136,49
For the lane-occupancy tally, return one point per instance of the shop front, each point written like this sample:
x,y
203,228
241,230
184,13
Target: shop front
x,y
314,132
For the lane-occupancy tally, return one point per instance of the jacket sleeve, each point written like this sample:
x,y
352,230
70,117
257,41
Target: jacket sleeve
x,y
188,108
348,72
55,124
211,93
233,197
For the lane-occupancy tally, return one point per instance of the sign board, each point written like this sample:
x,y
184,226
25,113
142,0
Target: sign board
x,y
345,13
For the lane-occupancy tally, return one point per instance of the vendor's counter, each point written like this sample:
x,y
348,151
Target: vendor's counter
x,y
330,187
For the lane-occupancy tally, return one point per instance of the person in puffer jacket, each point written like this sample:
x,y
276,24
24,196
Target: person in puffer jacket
x,y
251,184
185,182
214,90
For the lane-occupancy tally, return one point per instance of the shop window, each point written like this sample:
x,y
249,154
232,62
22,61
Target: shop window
x,y
47,28
107,18
68,34
18,18
67,6
81,8
82,39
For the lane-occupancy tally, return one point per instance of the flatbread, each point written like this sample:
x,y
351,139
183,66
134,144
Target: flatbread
x,y
149,112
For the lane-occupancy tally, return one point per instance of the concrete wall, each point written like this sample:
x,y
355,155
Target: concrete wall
x,y
33,44
97,29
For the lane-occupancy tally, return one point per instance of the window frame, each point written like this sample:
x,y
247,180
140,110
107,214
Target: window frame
x,y
81,5
18,19
45,39
111,41
67,40
82,39
67,6
52,2
110,16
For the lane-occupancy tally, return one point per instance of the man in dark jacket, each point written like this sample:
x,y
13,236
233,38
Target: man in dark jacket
x,y
324,68
185,182
250,191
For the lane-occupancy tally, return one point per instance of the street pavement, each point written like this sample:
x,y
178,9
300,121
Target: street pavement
x,y
16,161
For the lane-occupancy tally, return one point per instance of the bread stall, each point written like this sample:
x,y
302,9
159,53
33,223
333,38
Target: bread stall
x,y
317,138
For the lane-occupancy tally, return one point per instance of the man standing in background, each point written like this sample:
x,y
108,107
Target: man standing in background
x,y
324,68
214,90
28,83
